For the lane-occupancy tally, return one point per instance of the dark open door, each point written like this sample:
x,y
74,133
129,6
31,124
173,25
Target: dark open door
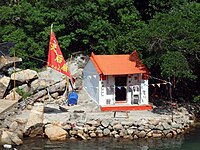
x,y
120,90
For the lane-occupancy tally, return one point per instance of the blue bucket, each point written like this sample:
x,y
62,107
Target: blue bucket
x,y
72,98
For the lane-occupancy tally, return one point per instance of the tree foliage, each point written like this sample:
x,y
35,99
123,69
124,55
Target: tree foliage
x,y
171,44
174,35
166,33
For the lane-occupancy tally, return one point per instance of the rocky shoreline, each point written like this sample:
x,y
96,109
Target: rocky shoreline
x,y
39,114
81,123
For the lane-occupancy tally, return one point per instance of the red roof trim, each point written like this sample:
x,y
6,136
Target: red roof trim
x,y
92,58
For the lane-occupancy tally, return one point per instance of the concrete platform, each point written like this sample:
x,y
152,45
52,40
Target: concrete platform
x,y
6,104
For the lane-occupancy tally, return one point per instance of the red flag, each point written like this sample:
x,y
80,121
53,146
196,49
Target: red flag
x,y
55,57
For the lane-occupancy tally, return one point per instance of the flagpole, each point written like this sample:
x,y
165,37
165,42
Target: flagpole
x,y
14,94
51,28
70,81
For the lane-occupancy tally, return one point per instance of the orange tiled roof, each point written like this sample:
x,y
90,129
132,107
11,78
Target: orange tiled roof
x,y
118,64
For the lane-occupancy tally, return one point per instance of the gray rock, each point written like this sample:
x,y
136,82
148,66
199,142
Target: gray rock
x,y
166,132
92,134
169,135
110,127
24,75
141,127
105,123
72,138
116,136
166,126
112,123
99,131
123,132
101,127
114,132
40,84
130,131
106,132
175,125
142,134
93,123
127,123
118,127
100,134
135,137
159,127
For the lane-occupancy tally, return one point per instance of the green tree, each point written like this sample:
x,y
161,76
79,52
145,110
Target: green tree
x,y
105,26
172,44
148,9
27,25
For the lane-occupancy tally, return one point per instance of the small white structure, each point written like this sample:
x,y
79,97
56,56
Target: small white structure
x,y
117,82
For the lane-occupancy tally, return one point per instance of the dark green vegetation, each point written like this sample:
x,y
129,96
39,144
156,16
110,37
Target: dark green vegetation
x,y
166,33
23,93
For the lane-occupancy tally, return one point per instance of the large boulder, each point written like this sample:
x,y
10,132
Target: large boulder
x,y
34,124
4,83
52,87
24,75
54,132
40,84
51,75
7,62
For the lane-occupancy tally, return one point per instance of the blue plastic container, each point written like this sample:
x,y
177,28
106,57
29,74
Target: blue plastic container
x,y
72,98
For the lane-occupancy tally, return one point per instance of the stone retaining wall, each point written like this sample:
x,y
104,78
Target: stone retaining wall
x,y
126,129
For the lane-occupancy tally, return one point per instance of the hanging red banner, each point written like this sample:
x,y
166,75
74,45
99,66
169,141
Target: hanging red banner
x,y
55,57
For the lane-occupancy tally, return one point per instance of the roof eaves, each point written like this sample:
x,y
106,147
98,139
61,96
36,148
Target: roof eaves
x,y
93,59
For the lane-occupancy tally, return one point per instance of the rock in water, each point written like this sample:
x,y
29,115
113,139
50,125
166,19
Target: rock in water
x,y
54,132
